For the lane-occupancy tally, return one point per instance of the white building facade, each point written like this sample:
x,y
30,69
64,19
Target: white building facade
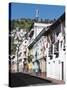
x,y
37,47
56,56
48,48
17,61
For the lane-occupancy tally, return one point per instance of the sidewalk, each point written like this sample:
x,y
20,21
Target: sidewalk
x,y
54,81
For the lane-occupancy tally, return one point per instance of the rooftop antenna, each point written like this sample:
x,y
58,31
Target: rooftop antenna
x,y
37,14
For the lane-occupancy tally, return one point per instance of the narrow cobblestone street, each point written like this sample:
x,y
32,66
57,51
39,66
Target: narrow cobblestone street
x,y
24,79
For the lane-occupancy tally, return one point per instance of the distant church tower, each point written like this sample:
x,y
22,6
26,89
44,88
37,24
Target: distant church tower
x,y
37,14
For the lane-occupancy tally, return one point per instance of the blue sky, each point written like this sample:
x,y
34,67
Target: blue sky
x,y
21,10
